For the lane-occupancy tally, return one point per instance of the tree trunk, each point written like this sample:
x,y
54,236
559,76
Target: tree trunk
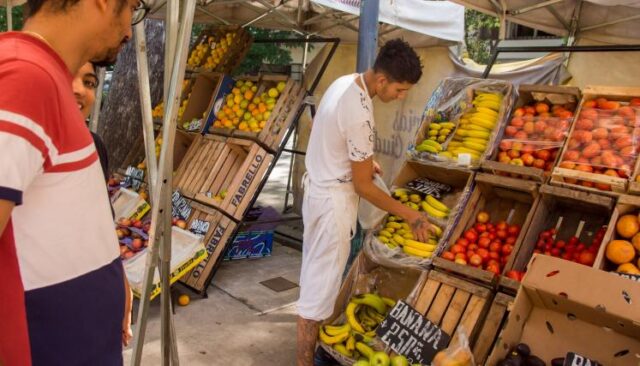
x,y
120,124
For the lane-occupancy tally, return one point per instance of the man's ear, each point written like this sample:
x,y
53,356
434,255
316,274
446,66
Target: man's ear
x,y
102,5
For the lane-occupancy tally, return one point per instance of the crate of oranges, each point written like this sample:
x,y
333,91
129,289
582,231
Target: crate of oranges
x,y
219,49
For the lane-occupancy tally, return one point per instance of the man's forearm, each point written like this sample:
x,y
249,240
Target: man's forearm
x,y
380,199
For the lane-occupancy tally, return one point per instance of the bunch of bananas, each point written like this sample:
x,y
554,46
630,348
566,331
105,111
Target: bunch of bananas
x,y
354,338
475,127
438,134
398,233
428,204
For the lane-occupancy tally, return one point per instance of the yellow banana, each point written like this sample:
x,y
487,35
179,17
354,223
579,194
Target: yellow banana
x,y
385,233
475,146
327,339
442,139
416,252
436,145
437,230
446,154
433,133
391,245
405,226
421,246
351,344
404,198
455,144
480,134
364,337
364,350
427,148
372,300
412,206
432,211
469,151
415,198
375,315
367,321
408,236
433,138
334,330
487,111
475,127
340,348
435,126
350,313
444,131
401,232
394,225
389,301
474,139
398,239
490,104
449,125
392,218
437,204
489,125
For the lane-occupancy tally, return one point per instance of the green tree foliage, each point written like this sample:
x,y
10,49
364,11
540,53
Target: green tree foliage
x,y
16,16
477,25
268,53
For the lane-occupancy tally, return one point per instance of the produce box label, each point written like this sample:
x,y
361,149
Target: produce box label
x,y
574,359
180,207
409,333
199,227
427,186
632,277
226,85
133,178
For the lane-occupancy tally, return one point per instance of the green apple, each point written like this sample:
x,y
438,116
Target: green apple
x,y
361,362
379,359
399,360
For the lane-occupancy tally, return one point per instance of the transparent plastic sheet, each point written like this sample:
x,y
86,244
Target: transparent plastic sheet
x,y
452,100
385,255
368,214
605,140
536,131
367,275
458,353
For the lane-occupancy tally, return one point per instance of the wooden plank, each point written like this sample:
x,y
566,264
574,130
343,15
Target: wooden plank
x,y
426,296
512,183
493,324
472,318
440,303
474,289
454,311
198,169
485,277
561,192
526,172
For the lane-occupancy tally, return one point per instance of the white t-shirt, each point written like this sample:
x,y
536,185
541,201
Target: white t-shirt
x,y
343,131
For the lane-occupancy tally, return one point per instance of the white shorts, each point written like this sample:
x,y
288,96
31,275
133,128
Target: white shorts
x,y
329,223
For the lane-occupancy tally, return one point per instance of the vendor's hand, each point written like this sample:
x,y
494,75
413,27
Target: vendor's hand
x,y
420,226
377,169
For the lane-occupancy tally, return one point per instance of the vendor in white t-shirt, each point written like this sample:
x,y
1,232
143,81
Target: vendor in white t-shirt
x,y
340,170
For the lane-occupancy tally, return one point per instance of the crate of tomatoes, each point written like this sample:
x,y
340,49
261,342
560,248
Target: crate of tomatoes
x,y
536,132
602,149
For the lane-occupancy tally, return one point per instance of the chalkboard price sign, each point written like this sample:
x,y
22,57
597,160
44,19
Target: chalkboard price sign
x,y
409,333
574,359
427,186
180,207
133,178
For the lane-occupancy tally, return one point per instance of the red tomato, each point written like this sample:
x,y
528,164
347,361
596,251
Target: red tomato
x,y
484,254
448,255
495,247
484,242
587,258
455,249
493,268
475,260
461,255
471,236
501,234
502,225
472,247
494,262
507,249
492,235
513,230
511,240
555,252
491,227
481,228
470,253
462,242
514,275
485,234
494,255
461,261
560,244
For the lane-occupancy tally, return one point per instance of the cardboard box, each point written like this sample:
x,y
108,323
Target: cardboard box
x,y
627,205
567,307
200,101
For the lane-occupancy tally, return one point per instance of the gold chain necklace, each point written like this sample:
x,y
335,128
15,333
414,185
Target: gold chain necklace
x,y
37,35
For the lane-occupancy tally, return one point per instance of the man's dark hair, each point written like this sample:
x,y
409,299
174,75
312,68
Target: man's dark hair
x,y
57,5
399,62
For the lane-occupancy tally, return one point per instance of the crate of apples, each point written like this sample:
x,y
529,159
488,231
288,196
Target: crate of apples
x,y
534,135
604,141
485,245
571,249
132,236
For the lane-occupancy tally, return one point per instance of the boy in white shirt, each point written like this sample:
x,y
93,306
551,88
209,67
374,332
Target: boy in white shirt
x,y
340,171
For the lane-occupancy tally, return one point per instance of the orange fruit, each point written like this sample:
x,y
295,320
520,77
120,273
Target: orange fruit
x,y
636,242
629,268
620,252
184,300
628,226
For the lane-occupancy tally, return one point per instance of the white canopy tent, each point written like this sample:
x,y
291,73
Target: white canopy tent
x,y
605,21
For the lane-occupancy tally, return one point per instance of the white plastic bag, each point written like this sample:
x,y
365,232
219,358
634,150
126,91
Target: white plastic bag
x,y
368,214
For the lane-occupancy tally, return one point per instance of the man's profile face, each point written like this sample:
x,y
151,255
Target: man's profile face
x,y
388,90
117,32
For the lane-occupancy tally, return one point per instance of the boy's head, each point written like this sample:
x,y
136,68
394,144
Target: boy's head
x,y
84,86
397,68
105,23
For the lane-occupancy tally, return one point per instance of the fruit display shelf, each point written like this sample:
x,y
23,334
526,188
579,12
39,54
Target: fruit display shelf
x,y
219,48
566,223
490,229
454,304
602,148
536,132
620,251
223,173
217,230
462,122
257,108
493,324
423,188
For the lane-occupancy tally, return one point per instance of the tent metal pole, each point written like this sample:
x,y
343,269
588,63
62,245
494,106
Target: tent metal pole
x,y
527,9
621,20
207,12
9,16
573,26
95,111
367,34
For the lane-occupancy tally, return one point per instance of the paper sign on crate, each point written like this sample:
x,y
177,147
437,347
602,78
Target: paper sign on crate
x,y
180,207
412,335
128,204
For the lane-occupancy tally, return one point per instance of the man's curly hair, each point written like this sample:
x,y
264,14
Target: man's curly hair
x,y
399,62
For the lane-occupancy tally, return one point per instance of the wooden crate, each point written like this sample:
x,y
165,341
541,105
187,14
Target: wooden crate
x,y
494,322
626,205
574,207
528,94
218,231
469,89
201,98
282,115
578,179
236,51
198,162
239,168
508,199
452,303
